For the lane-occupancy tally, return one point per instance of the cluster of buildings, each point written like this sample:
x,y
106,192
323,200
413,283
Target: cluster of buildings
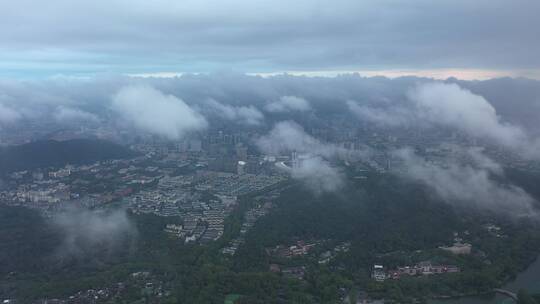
x,y
50,190
230,184
494,230
150,288
205,228
167,180
291,272
458,248
166,203
202,219
299,249
329,255
380,274
261,207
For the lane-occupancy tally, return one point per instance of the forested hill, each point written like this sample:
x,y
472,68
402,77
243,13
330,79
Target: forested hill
x,y
58,153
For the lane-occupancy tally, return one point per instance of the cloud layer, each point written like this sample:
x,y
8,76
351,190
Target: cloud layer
x,y
288,136
312,165
248,115
85,231
174,107
467,184
288,103
65,114
451,106
317,174
8,115
258,36
152,111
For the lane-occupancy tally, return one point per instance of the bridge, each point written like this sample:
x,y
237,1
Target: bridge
x,y
507,293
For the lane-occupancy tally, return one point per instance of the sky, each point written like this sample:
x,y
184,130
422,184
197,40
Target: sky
x,y
466,39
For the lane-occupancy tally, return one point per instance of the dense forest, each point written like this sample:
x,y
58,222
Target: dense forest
x,y
385,219
49,153
394,223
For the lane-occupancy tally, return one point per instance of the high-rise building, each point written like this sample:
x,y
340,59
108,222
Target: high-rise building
x,y
241,168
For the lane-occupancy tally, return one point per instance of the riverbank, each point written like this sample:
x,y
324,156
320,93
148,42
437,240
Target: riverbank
x,y
529,279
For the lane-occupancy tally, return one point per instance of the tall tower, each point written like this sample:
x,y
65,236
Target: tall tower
x,y
241,168
294,159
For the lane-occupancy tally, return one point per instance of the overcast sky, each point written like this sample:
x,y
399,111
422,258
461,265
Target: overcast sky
x,y
464,38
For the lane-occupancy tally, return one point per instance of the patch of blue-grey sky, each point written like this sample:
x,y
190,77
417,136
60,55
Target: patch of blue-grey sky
x,y
119,36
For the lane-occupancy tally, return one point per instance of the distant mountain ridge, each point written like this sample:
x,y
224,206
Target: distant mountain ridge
x,y
49,153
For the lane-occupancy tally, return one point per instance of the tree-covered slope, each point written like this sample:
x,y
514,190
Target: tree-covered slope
x,y
58,153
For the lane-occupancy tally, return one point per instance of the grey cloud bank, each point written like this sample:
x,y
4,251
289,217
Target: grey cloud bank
x,y
248,115
86,230
468,184
393,117
289,136
318,175
138,36
507,115
8,115
65,114
150,110
288,103
449,105
312,165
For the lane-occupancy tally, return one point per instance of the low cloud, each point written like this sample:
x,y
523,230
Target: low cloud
x,y
317,174
8,115
288,136
288,104
312,165
450,106
392,117
467,183
86,230
152,111
248,115
65,114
